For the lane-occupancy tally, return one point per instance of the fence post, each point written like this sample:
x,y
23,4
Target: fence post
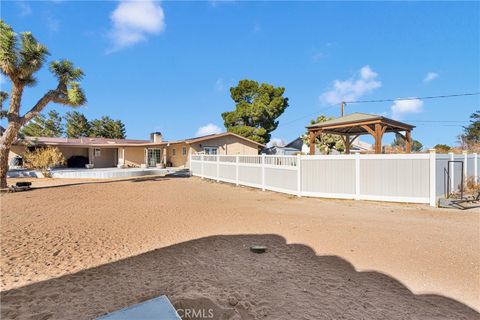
x,y
433,175
357,176
201,167
475,167
299,175
190,164
263,172
218,168
452,172
465,166
236,169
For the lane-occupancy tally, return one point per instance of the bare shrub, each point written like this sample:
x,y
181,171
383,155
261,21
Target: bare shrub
x,y
43,159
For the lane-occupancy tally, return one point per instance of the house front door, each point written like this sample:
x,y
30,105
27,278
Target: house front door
x,y
154,157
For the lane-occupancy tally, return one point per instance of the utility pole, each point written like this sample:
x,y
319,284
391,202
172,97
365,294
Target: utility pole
x,y
343,108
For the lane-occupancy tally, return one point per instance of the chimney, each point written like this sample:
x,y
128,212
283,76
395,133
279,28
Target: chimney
x,y
156,137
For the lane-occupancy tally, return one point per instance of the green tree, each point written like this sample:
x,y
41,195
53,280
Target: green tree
x,y
77,125
325,142
106,127
41,126
472,131
21,56
257,107
399,141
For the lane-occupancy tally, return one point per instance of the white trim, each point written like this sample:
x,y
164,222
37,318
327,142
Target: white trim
x,y
236,170
395,199
218,168
475,167
299,176
263,172
357,176
452,172
250,184
282,190
328,195
433,176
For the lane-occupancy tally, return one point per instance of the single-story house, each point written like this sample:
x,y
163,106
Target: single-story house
x,y
105,153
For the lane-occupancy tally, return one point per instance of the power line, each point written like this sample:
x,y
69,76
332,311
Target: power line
x,y
437,121
417,98
384,100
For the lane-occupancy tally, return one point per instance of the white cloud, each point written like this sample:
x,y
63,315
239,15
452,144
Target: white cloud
x,y
276,142
364,82
208,129
219,84
430,77
133,21
52,23
222,84
25,9
215,3
318,56
401,107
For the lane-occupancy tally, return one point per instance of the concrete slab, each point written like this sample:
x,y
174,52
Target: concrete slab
x,y
155,309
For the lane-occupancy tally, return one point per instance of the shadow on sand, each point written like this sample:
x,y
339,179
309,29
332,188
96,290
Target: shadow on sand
x,y
220,276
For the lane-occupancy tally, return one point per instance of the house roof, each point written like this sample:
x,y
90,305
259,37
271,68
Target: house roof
x,y
83,141
105,142
219,135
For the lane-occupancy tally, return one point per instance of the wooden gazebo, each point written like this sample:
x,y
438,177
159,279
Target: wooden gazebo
x,y
351,126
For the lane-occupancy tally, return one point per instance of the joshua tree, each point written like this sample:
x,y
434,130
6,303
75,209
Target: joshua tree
x,y
21,56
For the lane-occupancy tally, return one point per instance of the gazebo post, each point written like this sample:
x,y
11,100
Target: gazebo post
x,y
408,141
347,143
378,138
311,138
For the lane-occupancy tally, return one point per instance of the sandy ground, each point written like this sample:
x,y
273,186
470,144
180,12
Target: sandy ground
x,y
80,251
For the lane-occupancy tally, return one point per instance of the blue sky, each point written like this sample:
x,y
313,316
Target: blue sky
x,y
167,66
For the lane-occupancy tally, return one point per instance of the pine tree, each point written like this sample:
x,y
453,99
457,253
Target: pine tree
x,y
472,131
106,127
257,108
41,126
77,125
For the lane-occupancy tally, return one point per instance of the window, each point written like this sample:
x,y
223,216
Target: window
x,y
97,152
210,150
173,151
184,151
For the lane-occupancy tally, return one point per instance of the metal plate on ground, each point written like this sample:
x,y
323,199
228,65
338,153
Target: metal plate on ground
x,y
155,309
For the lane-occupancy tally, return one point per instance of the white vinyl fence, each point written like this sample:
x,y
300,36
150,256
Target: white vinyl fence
x,y
415,178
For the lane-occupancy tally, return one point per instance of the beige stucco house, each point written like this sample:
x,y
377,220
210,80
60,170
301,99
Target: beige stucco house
x,y
105,153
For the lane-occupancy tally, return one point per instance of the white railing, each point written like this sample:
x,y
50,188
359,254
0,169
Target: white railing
x,y
415,178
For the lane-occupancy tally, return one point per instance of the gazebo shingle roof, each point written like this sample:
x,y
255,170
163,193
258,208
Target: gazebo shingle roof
x,y
358,117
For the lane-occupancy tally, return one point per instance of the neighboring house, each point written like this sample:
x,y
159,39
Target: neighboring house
x,y
281,151
298,146
105,153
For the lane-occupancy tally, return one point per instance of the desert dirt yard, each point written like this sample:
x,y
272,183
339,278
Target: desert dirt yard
x,y
80,251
